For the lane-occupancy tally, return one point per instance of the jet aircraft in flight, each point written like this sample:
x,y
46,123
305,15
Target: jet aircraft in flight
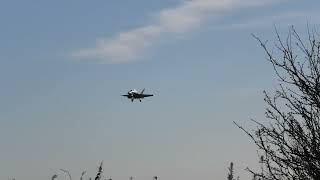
x,y
134,94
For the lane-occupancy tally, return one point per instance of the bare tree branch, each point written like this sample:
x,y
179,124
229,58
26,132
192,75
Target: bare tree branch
x,y
67,172
290,141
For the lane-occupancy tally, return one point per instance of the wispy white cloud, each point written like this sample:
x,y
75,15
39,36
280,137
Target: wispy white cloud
x,y
129,45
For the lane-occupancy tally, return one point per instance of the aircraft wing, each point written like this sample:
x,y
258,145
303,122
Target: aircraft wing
x,y
147,95
126,95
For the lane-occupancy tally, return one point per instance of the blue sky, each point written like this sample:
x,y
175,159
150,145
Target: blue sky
x,y
64,65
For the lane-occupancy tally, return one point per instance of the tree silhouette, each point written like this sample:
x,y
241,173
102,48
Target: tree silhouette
x,y
231,171
99,174
290,140
230,175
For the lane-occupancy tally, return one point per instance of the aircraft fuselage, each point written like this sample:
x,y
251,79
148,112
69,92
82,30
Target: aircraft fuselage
x,y
133,94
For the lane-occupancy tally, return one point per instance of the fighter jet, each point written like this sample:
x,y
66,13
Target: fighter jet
x,y
134,94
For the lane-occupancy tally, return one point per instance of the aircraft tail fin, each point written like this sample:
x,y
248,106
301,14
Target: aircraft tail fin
x,y
142,91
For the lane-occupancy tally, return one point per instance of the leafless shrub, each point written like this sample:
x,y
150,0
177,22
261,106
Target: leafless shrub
x,y
67,172
54,177
290,141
